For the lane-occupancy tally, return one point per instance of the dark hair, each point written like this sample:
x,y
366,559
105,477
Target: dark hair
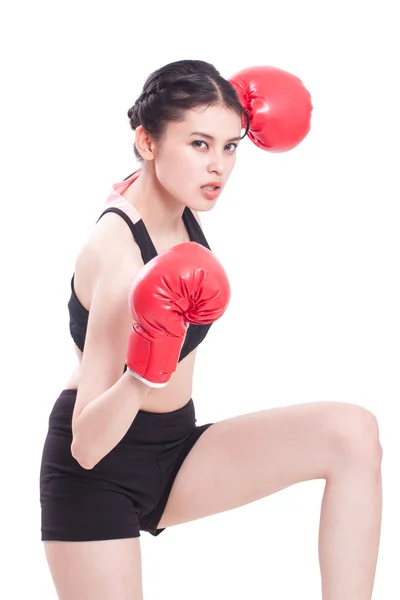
x,y
177,87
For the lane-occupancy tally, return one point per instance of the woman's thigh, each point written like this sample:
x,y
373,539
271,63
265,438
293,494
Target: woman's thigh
x,y
245,458
101,570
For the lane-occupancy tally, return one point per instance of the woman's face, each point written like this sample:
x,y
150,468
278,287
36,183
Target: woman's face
x,y
195,157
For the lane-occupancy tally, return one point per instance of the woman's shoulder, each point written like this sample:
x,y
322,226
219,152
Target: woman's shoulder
x,y
110,242
110,234
109,248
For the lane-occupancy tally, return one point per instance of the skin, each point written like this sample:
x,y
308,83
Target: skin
x,y
236,461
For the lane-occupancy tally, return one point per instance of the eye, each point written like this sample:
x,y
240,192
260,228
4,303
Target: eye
x,y
232,147
197,144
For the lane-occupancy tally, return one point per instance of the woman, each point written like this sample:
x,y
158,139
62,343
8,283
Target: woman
x,y
123,452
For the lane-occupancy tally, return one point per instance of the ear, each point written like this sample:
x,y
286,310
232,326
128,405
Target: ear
x,y
144,143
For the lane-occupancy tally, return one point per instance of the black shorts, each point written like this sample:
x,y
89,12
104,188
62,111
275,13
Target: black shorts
x,y
127,491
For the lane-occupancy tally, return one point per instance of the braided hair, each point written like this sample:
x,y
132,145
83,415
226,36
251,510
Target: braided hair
x,y
176,88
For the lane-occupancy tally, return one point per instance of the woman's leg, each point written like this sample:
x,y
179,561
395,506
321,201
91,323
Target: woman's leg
x,y
101,570
246,458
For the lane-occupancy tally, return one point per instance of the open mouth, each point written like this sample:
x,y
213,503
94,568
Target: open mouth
x,y
210,191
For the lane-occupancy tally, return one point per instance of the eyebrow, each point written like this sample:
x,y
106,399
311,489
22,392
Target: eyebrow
x,y
210,137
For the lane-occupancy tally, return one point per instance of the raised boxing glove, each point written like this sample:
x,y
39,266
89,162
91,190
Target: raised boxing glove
x,y
278,104
186,284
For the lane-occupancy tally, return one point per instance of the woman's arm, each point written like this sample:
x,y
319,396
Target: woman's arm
x,y
107,400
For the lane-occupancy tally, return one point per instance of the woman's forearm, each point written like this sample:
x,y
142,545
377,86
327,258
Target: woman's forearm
x,y
105,420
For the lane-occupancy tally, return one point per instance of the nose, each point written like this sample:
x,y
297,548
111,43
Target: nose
x,y
216,164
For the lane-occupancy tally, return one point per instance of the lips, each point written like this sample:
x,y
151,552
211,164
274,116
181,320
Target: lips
x,y
212,185
211,190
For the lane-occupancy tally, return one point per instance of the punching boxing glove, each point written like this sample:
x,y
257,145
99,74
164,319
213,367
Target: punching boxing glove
x,y
186,284
278,104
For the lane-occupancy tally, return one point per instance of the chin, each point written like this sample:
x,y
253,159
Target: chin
x,y
202,206
206,207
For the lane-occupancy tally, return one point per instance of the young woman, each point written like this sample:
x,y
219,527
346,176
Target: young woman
x,y
123,453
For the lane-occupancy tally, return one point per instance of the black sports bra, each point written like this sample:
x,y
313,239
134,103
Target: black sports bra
x,y
78,314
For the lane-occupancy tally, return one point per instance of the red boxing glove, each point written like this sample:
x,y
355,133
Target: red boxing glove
x,y
278,104
187,284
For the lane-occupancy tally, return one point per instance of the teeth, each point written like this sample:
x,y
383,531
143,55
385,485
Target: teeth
x,y
210,187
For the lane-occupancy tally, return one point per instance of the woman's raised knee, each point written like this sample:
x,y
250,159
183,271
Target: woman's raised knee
x,y
355,434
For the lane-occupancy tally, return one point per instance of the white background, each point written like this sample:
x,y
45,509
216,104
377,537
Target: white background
x,y
310,241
